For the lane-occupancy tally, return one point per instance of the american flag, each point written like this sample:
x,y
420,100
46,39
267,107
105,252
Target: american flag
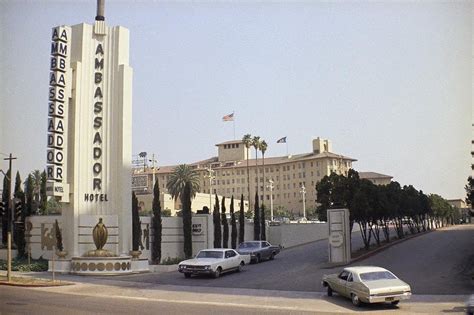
x,y
229,117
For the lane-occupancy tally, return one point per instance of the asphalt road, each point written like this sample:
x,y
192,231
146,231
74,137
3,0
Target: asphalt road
x,y
434,263
14,300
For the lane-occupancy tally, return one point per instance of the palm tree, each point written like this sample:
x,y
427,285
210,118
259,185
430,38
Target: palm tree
x,y
247,140
183,184
256,145
181,175
263,149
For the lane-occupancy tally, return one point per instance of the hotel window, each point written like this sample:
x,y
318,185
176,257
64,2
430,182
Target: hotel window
x,y
311,164
303,164
228,182
278,177
304,175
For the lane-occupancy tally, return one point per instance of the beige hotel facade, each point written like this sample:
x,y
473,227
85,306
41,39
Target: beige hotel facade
x,y
229,169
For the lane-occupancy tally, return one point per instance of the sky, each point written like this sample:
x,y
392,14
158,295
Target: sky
x,y
389,83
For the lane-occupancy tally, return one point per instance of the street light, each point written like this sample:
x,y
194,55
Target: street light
x,y
143,156
271,198
153,170
211,177
303,192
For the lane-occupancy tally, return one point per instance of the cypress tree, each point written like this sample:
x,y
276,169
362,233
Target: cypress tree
x,y
256,219
135,223
6,214
262,228
43,196
157,225
241,220
217,224
225,225
19,226
233,236
29,191
187,221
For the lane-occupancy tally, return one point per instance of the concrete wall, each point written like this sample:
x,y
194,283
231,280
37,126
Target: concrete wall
x,y
293,234
43,235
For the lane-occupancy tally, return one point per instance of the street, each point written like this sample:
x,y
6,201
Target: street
x,y
436,265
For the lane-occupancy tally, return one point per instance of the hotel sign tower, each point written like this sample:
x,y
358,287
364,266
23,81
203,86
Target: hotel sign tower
x,y
89,132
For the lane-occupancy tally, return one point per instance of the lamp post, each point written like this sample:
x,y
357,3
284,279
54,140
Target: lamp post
x,y
271,198
211,177
303,192
153,170
10,220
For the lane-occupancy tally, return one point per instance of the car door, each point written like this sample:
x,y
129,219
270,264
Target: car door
x,y
228,259
340,283
348,287
267,249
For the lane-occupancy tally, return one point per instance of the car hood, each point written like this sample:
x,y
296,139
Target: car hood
x,y
386,286
200,261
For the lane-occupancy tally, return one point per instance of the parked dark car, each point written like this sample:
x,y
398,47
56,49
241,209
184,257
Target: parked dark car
x,y
258,250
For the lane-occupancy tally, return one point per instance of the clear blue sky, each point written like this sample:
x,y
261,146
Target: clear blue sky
x,y
389,83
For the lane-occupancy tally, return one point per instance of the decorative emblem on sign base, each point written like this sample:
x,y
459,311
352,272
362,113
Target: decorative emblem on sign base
x,y
100,235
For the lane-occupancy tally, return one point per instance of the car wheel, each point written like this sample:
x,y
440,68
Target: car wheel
x,y
187,275
329,291
241,267
355,299
272,256
217,273
395,302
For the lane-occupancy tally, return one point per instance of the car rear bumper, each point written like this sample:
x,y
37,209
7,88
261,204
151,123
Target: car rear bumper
x,y
389,298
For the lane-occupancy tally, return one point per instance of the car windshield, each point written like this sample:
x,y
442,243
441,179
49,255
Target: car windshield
x,y
209,254
376,275
249,245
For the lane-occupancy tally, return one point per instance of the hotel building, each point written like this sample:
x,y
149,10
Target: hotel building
x,y
229,174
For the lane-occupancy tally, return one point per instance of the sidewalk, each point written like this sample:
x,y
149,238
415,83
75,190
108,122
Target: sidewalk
x,y
111,288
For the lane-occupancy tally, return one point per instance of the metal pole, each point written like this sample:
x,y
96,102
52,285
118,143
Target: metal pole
x,y
271,199
10,221
303,192
153,169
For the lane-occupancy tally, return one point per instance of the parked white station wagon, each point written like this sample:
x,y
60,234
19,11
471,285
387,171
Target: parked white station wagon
x,y
213,262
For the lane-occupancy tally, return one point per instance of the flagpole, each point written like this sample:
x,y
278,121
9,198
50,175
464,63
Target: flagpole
x,y
233,121
286,142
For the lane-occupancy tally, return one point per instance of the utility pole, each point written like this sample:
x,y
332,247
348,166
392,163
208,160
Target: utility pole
x,y
10,221
303,192
271,198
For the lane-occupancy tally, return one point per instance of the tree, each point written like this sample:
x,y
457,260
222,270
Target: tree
x,y
225,226
241,220
187,220
157,224
36,174
183,184
256,219
470,191
19,225
217,224
5,200
43,196
263,148
256,146
263,231
135,224
247,140
233,236
29,191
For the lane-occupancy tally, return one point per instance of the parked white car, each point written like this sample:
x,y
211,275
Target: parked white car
x,y
213,262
